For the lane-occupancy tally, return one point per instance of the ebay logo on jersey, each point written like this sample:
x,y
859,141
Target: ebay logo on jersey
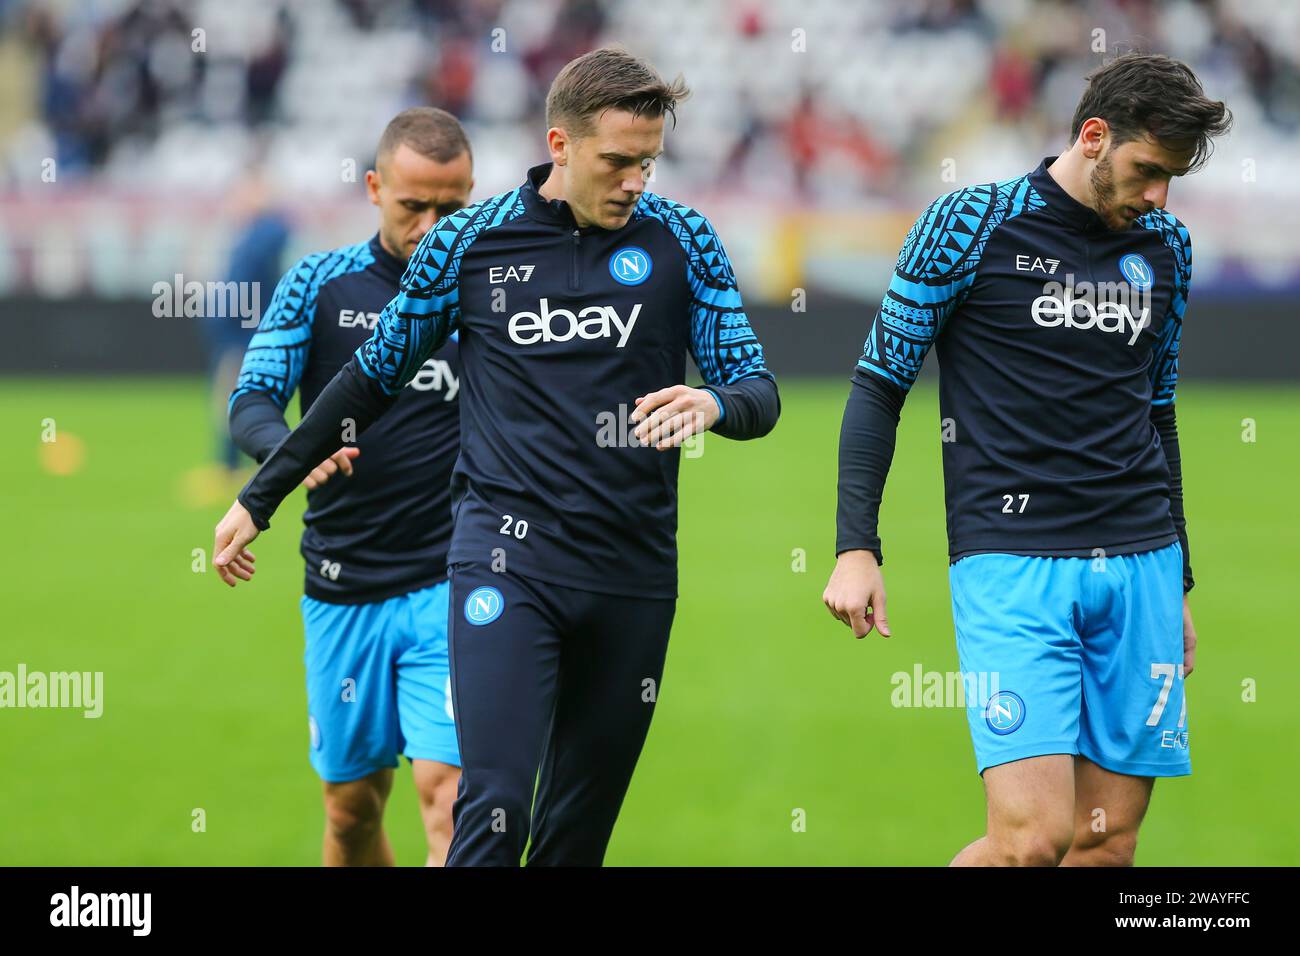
x,y
1105,306
561,325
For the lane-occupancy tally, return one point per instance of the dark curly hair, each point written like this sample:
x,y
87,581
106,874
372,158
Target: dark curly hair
x,y
1149,93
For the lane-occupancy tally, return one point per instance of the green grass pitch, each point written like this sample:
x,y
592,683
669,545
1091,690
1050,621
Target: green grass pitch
x,y
770,715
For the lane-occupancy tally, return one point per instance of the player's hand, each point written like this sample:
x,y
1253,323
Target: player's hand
x,y
671,415
341,460
232,560
855,593
1189,640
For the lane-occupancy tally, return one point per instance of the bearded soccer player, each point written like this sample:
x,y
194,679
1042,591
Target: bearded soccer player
x,y
578,296
1056,302
375,541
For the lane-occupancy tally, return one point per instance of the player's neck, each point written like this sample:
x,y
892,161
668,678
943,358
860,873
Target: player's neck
x,y
383,244
554,188
1071,175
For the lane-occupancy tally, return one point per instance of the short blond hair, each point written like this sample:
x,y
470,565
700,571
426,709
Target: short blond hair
x,y
609,78
433,133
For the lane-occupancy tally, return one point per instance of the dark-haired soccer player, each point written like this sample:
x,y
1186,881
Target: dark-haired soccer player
x,y
576,295
1056,302
375,608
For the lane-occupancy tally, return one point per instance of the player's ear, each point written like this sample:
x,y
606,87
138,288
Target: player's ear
x,y
557,141
373,182
1094,135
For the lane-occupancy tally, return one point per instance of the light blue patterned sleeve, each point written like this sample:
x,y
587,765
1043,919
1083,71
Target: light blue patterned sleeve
x,y
723,345
934,272
277,352
426,310
1164,360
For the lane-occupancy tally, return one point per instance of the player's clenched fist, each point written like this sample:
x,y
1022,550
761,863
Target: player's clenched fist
x,y
233,559
855,593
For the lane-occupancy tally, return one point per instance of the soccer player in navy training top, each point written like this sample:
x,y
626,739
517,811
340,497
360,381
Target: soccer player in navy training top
x,y
578,296
1056,303
375,542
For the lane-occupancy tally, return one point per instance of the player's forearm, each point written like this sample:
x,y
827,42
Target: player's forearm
x,y
347,407
750,407
1166,422
867,437
257,424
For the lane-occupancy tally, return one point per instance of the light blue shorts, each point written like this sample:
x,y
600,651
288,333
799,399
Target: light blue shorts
x,y
378,683
1087,655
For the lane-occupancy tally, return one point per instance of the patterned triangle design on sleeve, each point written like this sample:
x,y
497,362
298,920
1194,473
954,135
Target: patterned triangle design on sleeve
x,y
277,353
1164,359
723,343
935,269
427,309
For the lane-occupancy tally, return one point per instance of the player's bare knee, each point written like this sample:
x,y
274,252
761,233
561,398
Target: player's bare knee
x,y
353,813
1119,850
1104,848
349,826
1033,848
1032,842
437,797
436,786
445,793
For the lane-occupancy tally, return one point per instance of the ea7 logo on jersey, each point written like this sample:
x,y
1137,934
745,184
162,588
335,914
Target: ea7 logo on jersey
x,y
349,319
560,325
1026,263
500,274
1105,306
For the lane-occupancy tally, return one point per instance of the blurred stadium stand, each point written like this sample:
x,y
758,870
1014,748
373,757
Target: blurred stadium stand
x,y
816,132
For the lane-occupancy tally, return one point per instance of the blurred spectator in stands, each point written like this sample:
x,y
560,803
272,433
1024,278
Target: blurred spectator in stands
x,y
257,256
1012,83
265,69
449,82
